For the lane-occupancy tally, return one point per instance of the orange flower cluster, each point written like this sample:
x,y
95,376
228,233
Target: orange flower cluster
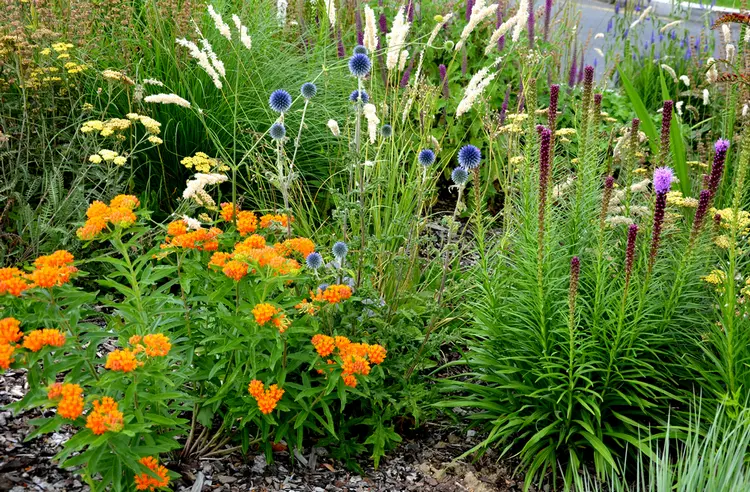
x,y
119,213
6,355
253,252
355,357
267,399
71,404
301,245
264,313
247,222
122,360
52,270
38,339
144,481
10,330
157,345
13,282
333,294
104,417
227,211
201,239
274,220
235,269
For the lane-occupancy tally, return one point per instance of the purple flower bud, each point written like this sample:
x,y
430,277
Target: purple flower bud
x,y
358,22
383,22
572,71
530,26
554,94
662,179
407,73
410,11
547,18
544,172
630,251
700,214
498,23
444,80
666,121
659,207
341,50
469,8
717,169
609,183
504,107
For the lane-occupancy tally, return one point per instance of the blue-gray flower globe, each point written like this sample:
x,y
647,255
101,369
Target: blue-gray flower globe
x,y
460,176
359,65
340,249
426,157
469,157
308,90
356,95
280,101
314,260
386,130
360,50
277,131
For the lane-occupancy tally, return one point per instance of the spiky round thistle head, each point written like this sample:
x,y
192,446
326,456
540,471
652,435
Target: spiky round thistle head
x,y
359,65
308,90
322,287
426,157
277,131
469,157
460,176
340,249
663,179
360,50
280,101
386,130
314,260
356,95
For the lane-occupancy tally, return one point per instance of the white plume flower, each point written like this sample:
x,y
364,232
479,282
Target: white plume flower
x,y
438,27
667,27
403,57
244,37
642,17
202,58
479,81
331,10
281,6
333,125
479,12
153,82
726,31
372,121
599,52
706,99
221,26
670,71
195,187
599,35
730,53
679,107
712,74
167,99
396,39
370,37
500,32
522,19
217,64
193,224
685,80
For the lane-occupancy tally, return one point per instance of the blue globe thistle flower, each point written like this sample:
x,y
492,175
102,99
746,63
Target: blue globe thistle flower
x,y
426,157
322,287
460,176
280,101
360,50
308,90
469,157
340,249
277,131
386,130
356,95
359,65
314,260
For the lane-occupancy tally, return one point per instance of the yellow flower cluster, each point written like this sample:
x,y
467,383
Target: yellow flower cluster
x,y
727,217
717,279
107,155
151,125
676,199
106,128
202,163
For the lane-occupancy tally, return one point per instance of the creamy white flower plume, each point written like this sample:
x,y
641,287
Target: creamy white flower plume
x,y
726,32
474,89
402,60
195,187
396,39
599,52
679,107
730,53
370,38
333,125
244,37
712,74
281,6
372,121
217,64
221,26
202,59
331,10
685,80
523,18
642,17
706,99
167,99
153,82
670,71
500,32
438,27
667,27
479,12
599,35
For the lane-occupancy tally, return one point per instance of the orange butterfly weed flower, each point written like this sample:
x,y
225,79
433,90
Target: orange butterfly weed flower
x,y
281,322
125,201
121,216
91,228
247,222
6,355
71,404
264,312
135,340
350,380
98,210
254,241
10,330
144,481
59,258
13,282
219,259
201,239
177,228
342,343
270,220
104,417
38,339
235,270
157,345
376,353
121,360
337,293
323,344
301,245
266,399
227,211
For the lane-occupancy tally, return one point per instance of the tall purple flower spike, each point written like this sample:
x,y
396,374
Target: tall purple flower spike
x,y
717,169
630,251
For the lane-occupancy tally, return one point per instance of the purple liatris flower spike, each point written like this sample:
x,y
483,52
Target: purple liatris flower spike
x,y
341,50
575,271
469,8
717,169
662,179
580,77
554,94
544,172
464,62
383,24
547,18
666,121
700,214
572,72
410,11
662,183
444,80
407,73
504,106
609,183
530,26
358,23
630,251
498,23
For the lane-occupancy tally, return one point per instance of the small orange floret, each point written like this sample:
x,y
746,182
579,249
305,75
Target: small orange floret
x,y
71,404
301,245
92,228
37,339
177,228
13,282
376,353
255,241
247,222
219,259
98,210
125,201
144,481
122,216
6,355
227,211
235,270
337,293
270,220
104,417
10,330
121,360
350,380
59,258
135,340
157,345
264,312
323,344
255,388
267,399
